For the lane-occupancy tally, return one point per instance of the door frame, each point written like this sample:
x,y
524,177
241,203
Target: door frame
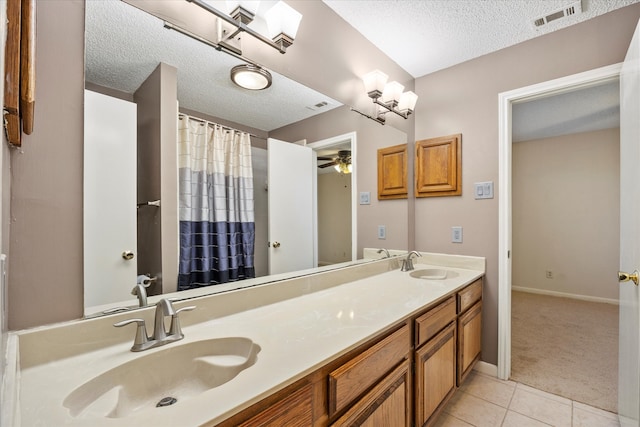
x,y
505,103
330,142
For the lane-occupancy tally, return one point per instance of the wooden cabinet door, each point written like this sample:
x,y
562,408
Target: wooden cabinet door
x,y
435,375
387,404
469,340
293,411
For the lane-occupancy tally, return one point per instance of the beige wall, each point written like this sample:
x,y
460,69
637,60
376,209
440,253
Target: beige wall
x,y
566,207
156,170
45,266
464,99
5,181
45,262
334,218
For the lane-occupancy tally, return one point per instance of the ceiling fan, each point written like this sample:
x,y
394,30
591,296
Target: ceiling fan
x,y
341,162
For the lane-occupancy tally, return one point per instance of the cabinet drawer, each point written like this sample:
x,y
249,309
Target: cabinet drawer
x,y
469,295
434,320
354,377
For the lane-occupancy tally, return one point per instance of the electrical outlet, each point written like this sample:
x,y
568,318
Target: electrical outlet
x,y
549,274
382,232
456,234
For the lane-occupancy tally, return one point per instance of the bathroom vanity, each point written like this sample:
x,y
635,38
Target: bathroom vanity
x,y
357,344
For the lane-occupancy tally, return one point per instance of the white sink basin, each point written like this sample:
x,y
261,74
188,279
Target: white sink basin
x,y
433,274
154,380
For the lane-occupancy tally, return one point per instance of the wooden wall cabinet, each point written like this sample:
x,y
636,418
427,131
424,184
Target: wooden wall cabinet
x,y
392,172
438,166
20,69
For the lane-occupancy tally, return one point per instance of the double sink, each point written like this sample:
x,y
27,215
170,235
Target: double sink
x,y
290,336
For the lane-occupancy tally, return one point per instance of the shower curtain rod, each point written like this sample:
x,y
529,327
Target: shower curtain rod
x,y
181,115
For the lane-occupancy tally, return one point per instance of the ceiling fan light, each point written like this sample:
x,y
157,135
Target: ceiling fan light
x,y
252,77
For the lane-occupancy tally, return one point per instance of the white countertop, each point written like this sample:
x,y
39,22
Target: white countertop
x,y
296,336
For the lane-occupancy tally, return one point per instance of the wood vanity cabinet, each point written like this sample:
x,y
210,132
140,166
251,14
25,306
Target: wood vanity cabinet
x,y
401,378
469,328
385,367
387,404
435,360
291,407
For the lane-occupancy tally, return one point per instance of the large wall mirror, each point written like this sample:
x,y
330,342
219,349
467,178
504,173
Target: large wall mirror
x,y
131,57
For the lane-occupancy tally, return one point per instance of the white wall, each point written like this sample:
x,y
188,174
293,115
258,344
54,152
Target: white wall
x,y
566,198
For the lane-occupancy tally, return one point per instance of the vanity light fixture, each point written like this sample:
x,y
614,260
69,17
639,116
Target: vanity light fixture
x,y
250,76
389,96
282,22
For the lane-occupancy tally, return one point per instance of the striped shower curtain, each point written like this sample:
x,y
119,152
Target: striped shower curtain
x,y
217,227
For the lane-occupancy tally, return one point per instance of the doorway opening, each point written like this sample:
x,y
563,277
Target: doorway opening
x,y
565,210
336,196
506,101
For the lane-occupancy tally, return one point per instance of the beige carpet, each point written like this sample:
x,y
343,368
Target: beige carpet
x,y
566,347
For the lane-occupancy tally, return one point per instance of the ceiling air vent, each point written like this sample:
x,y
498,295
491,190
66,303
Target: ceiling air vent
x,y
318,106
572,9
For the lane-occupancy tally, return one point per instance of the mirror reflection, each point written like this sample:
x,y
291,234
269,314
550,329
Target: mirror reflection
x,y
136,70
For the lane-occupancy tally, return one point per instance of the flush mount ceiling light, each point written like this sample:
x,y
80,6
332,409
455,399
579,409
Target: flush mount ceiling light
x,y
389,96
249,76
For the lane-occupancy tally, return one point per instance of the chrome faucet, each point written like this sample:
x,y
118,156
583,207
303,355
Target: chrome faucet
x,y
385,251
141,292
164,308
407,263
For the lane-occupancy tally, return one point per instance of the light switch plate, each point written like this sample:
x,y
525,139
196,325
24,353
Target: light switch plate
x,y
456,234
483,190
365,198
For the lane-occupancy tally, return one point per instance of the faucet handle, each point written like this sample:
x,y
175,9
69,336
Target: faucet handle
x,y
175,328
189,308
141,332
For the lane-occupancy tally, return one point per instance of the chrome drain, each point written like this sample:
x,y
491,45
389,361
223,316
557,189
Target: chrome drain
x,y
167,401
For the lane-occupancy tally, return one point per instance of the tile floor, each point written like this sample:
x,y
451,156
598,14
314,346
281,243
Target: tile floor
x,y
485,401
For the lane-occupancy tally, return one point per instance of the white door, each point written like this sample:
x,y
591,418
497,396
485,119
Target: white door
x,y
109,199
290,174
629,369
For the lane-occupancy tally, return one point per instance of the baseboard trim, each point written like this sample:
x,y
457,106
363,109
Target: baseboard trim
x,y
565,295
486,368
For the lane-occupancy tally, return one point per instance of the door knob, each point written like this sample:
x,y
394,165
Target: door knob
x,y
127,255
276,244
625,277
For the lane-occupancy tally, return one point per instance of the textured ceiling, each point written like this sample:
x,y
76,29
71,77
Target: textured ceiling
x,y
124,45
423,36
583,110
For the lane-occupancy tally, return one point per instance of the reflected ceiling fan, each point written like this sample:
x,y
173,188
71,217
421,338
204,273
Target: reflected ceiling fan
x,y
341,162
